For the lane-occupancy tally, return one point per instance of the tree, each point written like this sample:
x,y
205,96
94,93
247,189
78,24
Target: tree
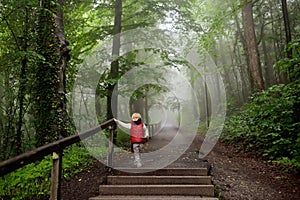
x,y
287,28
22,88
16,58
268,67
64,57
251,46
49,109
114,69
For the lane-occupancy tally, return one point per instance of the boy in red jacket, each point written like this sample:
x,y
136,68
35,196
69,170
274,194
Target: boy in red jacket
x,y
138,135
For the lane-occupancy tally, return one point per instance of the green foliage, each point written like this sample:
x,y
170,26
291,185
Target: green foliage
x,y
291,65
202,127
16,57
29,182
74,161
123,139
33,181
270,125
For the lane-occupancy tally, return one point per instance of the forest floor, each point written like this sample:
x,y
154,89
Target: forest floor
x,y
237,175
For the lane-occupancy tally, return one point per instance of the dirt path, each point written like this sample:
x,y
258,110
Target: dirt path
x,y
240,176
168,148
237,175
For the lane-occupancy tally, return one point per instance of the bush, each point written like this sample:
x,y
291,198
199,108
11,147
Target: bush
x,y
291,65
123,139
270,125
33,181
29,182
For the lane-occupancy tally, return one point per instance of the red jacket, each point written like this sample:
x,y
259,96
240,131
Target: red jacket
x,y
137,133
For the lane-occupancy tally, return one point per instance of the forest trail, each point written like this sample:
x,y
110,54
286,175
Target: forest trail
x,y
245,176
236,175
169,147
163,175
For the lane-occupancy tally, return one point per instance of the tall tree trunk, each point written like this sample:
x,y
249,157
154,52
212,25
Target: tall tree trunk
x,y
194,102
2,126
114,69
64,56
268,68
239,35
21,97
50,87
207,105
45,73
22,88
252,48
288,35
269,71
245,80
228,79
276,47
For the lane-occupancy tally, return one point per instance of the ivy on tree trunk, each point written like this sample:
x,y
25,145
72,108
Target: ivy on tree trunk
x,y
50,85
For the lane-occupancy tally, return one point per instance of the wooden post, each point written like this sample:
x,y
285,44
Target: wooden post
x,y
152,130
111,146
56,175
149,130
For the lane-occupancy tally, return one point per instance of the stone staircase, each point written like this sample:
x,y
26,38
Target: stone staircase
x,y
166,183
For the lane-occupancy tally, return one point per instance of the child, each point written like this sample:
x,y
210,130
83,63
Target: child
x,y
138,134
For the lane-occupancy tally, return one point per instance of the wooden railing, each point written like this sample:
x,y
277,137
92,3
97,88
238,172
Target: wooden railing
x,y
56,149
153,128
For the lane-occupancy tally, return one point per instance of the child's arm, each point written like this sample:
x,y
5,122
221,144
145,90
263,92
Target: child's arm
x,y
125,125
146,132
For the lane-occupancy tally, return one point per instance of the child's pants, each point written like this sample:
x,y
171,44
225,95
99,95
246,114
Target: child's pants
x,y
137,150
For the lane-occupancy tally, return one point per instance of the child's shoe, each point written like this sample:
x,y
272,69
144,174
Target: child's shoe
x,y
138,165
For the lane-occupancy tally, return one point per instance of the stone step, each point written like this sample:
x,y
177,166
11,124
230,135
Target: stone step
x,y
162,172
157,180
122,197
183,190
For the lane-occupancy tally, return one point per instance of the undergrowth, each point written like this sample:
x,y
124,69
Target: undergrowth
x,y
269,125
33,180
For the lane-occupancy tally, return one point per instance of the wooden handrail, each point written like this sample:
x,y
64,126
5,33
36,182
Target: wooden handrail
x,y
39,153
56,149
